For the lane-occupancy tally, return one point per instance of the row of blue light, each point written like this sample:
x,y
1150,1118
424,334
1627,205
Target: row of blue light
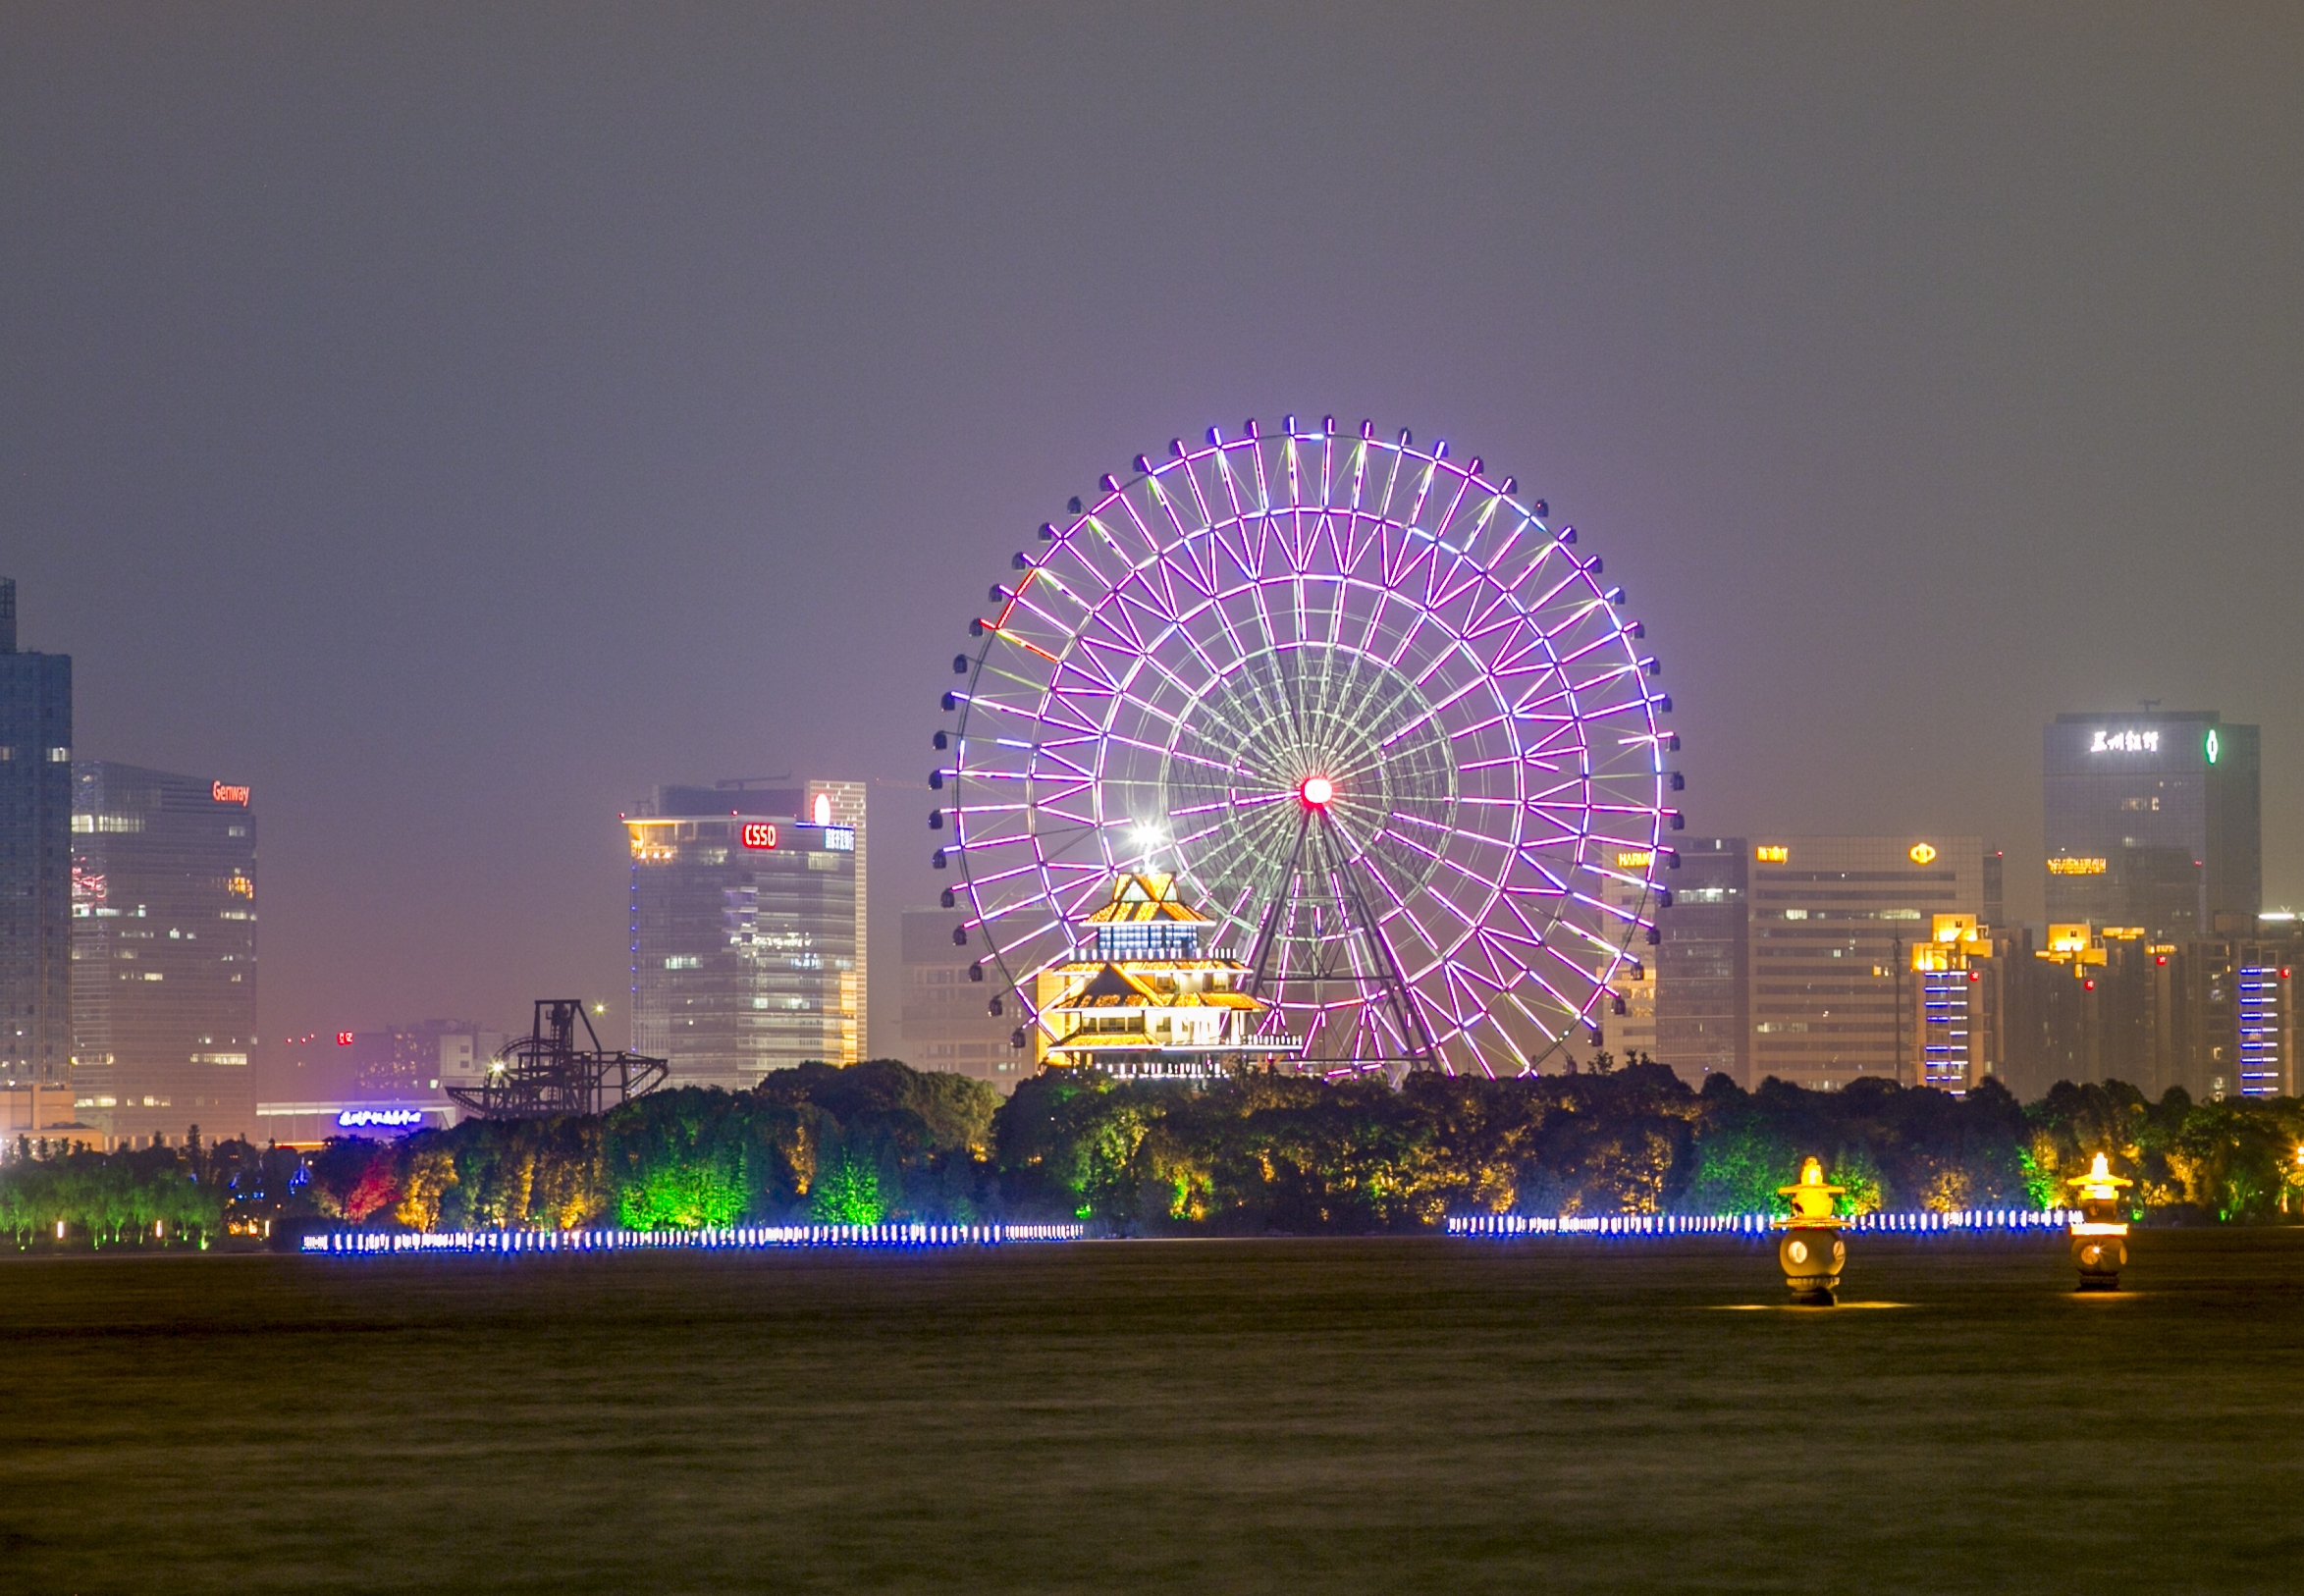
x,y
724,1239
1753,1224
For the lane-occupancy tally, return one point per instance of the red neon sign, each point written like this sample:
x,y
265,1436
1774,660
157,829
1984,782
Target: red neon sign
x,y
759,835
344,1038
228,795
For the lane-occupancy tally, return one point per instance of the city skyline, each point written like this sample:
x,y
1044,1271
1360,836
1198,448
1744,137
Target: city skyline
x,y
447,582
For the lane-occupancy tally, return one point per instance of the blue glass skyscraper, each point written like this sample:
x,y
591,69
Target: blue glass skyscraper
x,y
36,860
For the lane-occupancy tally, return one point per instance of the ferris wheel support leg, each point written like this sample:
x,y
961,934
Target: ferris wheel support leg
x,y
1268,932
1413,1035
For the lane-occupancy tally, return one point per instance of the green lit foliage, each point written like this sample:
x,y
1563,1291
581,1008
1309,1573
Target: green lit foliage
x,y
848,1191
1744,1153
110,1199
1853,1170
683,1159
2040,1183
686,1195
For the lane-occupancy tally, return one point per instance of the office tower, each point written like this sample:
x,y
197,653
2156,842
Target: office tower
x,y
164,940
744,925
2154,823
1702,961
946,1023
1836,924
35,870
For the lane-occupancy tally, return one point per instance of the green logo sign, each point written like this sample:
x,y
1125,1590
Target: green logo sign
x,y
2210,747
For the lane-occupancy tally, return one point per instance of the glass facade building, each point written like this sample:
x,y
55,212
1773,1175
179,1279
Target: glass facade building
x,y
2154,823
164,953
745,930
35,861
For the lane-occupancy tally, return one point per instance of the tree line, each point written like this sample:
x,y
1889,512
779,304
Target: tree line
x,y
1257,1153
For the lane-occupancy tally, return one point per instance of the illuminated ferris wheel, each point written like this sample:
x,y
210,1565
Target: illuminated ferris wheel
x,y
1388,730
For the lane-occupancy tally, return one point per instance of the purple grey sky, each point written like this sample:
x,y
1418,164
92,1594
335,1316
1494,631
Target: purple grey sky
x,y
451,419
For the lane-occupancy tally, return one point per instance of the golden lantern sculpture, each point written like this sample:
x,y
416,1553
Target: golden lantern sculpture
x,y
1811,1251
2099,1244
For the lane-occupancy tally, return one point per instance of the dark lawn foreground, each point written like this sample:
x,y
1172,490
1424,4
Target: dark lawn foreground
x,y
1382,1415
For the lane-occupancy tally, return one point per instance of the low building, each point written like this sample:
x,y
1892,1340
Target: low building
x,y
1144,1000
947,1020
310,1123
1630,1029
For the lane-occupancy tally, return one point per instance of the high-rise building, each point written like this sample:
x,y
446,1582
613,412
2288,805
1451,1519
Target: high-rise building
x,y
1836,924
947,1024
164,947
35,864
1702,962
1955,1026
2154,823
747,930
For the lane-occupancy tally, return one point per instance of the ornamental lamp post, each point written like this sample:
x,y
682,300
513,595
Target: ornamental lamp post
x,y
2100,1248
1812,1252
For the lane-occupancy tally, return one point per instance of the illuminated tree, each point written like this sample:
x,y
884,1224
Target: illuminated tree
x,y
848,1193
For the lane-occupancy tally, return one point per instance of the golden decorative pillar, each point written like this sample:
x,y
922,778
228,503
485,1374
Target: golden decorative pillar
x,y
1812,1252
2100,1246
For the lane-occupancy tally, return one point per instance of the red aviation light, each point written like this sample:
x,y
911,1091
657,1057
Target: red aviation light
x,y
2090,983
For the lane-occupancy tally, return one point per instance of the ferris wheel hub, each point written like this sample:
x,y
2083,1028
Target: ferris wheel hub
x,y
1316,792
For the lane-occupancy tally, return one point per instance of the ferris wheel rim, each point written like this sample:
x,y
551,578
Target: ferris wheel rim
x,y
1048,909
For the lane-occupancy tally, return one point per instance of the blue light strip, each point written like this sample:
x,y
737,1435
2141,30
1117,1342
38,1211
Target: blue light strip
x,y
742,1238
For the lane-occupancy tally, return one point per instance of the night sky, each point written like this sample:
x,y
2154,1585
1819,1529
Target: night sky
x,y
452,420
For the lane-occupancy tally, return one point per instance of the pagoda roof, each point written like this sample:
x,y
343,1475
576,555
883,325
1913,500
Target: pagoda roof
x,y
1143,898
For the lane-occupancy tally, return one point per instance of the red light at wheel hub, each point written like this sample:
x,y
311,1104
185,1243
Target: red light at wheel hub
x,y
1317,791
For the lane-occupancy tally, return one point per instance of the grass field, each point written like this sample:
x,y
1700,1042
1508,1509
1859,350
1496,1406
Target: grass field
x,y
1281,1416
